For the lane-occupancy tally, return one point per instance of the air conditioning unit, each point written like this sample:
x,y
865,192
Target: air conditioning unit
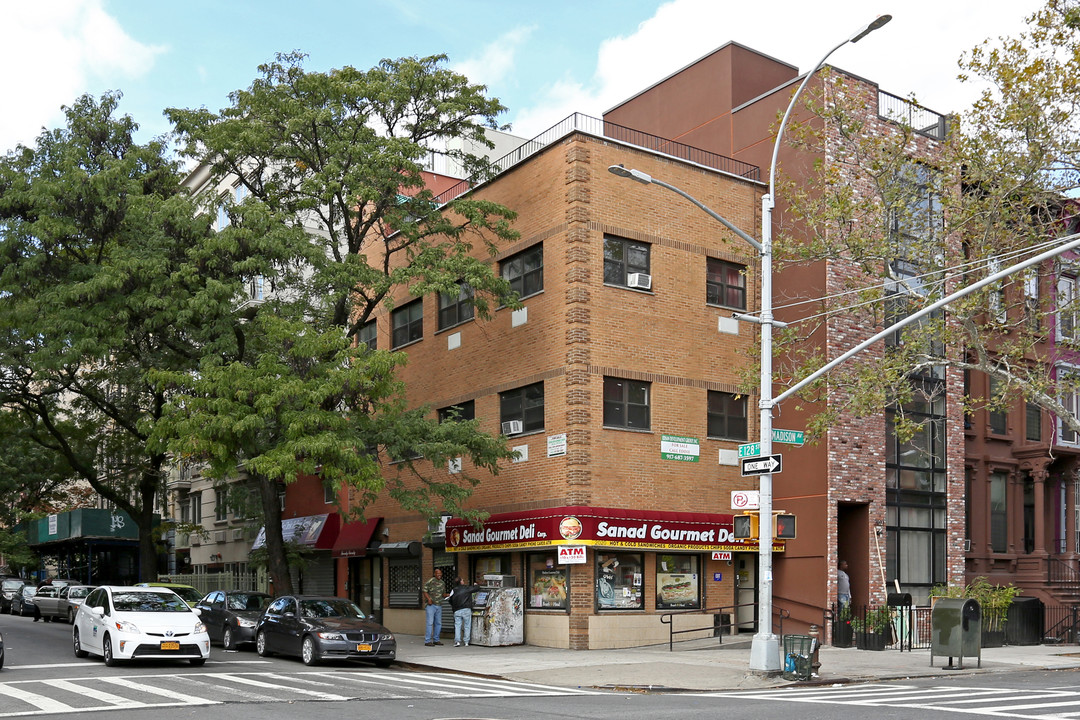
x,y
196,539
639,280
219,536
511,427
238,533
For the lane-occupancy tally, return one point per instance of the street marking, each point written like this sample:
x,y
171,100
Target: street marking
x,y
261,684
183,698
42,703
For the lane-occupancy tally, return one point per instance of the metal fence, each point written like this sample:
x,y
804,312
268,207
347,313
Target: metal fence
x,y
205,582
922,120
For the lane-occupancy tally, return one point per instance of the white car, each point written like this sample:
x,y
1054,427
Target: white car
x,y
130,623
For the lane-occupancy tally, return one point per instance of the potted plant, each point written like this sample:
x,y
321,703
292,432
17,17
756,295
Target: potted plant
x,y
871,629
841,632
994,602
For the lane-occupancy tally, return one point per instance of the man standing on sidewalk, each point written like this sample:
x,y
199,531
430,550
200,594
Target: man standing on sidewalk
x,y
434,592
461,602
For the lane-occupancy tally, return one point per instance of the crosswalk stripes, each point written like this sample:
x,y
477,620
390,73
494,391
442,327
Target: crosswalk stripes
x,y
1030,703
102,693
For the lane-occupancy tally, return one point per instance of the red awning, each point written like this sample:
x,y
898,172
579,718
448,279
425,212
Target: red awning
x,y
354,538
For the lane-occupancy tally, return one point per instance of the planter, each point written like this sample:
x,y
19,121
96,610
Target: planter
x,y
993,638
842,634
870,640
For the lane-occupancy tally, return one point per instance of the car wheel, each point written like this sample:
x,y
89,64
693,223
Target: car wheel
x,y
198,662
227,639
106,651
79,652
260,645
309,651
71,617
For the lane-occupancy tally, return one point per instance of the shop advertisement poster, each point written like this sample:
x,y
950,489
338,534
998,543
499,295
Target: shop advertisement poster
x,y
683,449
556,445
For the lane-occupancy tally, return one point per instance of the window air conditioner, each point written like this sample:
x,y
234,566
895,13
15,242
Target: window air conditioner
x,y
196,539
967,546
639,280
511,427
219,536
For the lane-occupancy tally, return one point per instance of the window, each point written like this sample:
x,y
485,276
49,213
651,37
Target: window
x,y
1031,300
221,504
525,404
727,415
999,529
725,284
998,299
195,503
999,416
408,323
368,335
329,497
626,403
525,271
619,581
916,226
1033,422
1067,307
455,309
1069,396
403,582
678,582
547,582
623,258
461,411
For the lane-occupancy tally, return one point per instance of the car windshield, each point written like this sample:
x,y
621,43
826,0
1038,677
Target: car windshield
x,y
189,594
244,601
78,592
165,601
330,607
29,591
11,584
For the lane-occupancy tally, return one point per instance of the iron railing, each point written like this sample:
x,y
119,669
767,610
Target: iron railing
x,y
722,621
922,120
1062,574
596,126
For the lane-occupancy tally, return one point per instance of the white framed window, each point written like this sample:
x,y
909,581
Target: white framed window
x,y
1068,382
1066,306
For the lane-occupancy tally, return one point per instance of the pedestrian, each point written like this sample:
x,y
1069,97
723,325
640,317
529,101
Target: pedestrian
x,y
843,585
434,592
461,602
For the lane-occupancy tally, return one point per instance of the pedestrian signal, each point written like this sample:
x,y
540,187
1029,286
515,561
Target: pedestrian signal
x,y
784,527
745,527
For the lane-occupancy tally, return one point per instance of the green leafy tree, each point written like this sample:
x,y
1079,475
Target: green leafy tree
x,y
99,287
339,222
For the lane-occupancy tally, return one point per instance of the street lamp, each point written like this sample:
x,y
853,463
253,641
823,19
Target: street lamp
x,y
765,649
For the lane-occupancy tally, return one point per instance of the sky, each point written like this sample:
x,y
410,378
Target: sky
x,y
544,61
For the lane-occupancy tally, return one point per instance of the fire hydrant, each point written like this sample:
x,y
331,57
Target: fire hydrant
x,y
815,643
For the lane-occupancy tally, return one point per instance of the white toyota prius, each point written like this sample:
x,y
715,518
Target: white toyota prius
x,y
130,623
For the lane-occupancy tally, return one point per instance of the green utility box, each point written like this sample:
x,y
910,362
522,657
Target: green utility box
x,y
956,630
798,657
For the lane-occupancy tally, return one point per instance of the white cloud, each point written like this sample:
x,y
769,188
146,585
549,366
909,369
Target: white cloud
x,y
53,50
915,53
496,63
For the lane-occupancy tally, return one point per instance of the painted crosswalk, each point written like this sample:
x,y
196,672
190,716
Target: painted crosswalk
x,y
1034,703
126,692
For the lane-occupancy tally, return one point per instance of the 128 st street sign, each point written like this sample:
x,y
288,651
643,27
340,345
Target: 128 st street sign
x,y
762,465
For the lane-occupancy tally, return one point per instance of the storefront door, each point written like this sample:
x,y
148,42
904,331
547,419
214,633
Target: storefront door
x,y
365,585
746,591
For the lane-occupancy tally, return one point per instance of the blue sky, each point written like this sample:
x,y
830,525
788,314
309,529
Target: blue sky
x,y
543,60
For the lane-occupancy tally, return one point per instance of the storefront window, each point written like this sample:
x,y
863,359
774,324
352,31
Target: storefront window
x,y
490,565
678,579
619,581
547,582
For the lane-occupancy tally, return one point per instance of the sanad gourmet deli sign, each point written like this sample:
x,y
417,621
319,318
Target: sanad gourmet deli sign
x,y
579,525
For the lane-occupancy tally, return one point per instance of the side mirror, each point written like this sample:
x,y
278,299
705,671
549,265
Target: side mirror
x,y
98,610
197,610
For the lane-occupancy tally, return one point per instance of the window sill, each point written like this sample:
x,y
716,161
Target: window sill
x,y
725,307
405,345
647,431
625,287
722,438
525,433
448,328
523,298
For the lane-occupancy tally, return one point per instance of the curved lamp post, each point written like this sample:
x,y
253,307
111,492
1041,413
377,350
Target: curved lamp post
x,y
765,650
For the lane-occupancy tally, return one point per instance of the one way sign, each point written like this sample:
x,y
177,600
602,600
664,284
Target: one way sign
x,y
762,465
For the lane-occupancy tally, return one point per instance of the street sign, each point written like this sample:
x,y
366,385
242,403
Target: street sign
x,y
762,465
745,500
788,437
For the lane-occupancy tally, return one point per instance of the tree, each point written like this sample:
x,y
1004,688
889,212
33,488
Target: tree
x,y
339,222
996,192
99,287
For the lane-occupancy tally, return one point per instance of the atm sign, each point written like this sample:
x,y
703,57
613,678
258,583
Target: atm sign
x,y
571,554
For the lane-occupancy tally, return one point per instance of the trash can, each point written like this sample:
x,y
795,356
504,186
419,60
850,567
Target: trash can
x,y
1025,621
956,630
798,657
901,602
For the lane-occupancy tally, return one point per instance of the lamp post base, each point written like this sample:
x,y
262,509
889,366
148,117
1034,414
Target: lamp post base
x,y
765,654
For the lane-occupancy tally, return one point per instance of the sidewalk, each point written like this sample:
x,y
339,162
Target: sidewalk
x,y
708,667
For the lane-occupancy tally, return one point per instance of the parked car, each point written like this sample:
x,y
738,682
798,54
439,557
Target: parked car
x,y
322,628
71,597
231,615
47,601
23,603
191,595
131,623
9,588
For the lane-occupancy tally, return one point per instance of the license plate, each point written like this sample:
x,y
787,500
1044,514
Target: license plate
x,y
170,645
363,647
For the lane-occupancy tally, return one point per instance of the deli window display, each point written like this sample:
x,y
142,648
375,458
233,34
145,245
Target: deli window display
x,y
620,581
678,581
547,582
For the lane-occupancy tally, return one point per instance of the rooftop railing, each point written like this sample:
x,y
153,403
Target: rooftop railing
x,y
921,120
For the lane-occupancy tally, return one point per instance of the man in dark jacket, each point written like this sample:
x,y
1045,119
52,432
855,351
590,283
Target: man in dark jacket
x,y
461,603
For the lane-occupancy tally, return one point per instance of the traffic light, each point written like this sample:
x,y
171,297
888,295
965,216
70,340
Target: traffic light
x,y
745,526
784,526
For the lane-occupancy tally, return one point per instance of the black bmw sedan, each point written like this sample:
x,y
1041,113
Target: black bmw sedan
x,y
322,628
230,616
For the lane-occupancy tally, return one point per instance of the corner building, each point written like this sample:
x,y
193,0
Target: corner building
x,y
618,384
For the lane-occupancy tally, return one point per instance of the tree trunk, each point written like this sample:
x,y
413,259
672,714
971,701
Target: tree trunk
x,y
144,520
277,565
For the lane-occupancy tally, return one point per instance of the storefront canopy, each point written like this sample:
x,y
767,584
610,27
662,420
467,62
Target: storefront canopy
x,y
354,538
316,531
604,527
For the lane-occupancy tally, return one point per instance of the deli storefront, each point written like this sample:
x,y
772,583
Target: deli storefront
x,y
602,577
